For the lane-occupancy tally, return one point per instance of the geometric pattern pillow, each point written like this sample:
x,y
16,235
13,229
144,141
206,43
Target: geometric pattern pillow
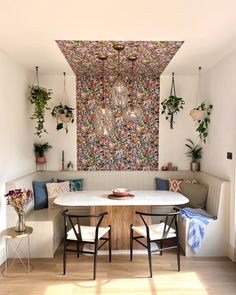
x,y
193,181
175,185
54,189
75,184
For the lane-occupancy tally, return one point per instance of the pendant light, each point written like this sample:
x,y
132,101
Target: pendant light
x,y
119,90
196,114
134,112
104,119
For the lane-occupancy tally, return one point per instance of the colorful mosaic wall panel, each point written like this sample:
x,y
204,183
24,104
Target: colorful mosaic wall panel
x,y
134,145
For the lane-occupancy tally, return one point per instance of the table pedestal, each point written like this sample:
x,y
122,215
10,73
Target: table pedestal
x,y
120,218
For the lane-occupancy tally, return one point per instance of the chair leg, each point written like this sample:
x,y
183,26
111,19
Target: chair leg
x,y
178,257
161,245
149,257
95,260
64,258
131,242
110,243
77,248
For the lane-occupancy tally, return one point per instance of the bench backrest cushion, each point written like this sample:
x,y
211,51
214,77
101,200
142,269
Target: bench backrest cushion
x,y
196,193
40,194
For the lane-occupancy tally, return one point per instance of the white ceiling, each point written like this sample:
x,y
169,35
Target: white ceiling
x,y
29,28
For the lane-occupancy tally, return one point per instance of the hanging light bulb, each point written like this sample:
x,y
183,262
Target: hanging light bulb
x,y
103,119
134,111
196,113
119,90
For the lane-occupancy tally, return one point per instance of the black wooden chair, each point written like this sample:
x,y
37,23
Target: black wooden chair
x,y
75,232
161,233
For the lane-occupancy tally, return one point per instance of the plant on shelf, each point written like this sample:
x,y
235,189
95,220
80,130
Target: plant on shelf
x,y
64,115
39,97
39,151
195,153
172,105
203,124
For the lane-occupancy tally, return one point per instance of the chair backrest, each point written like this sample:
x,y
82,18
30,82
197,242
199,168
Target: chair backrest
x,y
170,220
72,221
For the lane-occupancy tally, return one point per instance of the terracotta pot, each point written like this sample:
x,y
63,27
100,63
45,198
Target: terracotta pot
x,y
197,114
195,166
41,160
64,118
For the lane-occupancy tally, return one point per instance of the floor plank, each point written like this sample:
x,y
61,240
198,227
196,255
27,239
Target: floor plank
x,y
197,276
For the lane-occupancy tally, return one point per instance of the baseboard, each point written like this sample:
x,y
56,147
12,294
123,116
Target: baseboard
x,y
2,255
232,253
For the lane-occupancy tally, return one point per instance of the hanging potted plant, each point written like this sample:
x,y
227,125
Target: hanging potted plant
x,y
39,97
64,115
172,105
195,153
39,151
201,114
203,123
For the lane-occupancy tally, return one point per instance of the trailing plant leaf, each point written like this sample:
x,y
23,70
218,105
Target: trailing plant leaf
x,y
170,106
39,97
203,124
63,110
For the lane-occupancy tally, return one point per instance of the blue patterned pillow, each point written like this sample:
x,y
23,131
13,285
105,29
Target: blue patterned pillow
x,y
75,184
41,194
162,184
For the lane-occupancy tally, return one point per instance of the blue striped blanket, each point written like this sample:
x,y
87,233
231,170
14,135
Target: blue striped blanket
x,y
199,220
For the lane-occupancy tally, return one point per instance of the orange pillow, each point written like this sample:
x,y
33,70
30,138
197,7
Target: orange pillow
x,y
175,185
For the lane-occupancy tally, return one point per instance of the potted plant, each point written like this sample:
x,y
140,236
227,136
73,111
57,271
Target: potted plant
x,y
39,151
203,121
170,106
64,115
195,153
39,97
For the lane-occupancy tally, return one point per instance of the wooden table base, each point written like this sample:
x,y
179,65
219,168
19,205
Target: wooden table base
x,y
120,218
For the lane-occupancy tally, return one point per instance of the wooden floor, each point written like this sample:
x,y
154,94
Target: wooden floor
x,y
197,276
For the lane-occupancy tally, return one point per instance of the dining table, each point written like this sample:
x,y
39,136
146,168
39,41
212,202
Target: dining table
x,y
121,210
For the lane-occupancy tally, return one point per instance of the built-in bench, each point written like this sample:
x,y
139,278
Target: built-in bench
x,y
47,223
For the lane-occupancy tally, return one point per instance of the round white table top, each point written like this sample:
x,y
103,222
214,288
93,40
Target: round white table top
x,y
100,198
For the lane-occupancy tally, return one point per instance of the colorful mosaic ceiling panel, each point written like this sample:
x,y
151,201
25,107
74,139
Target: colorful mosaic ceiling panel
x,y
153,56
134,145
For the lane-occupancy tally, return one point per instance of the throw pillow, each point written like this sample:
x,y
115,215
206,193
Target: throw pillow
x,y
40,194
196,193
75,184
175,185
54,189
162,184
193,181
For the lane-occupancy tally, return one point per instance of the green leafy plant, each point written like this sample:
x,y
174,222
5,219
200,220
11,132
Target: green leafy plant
x,y
203,124
194,151
39,97
170,106
40,149
64,115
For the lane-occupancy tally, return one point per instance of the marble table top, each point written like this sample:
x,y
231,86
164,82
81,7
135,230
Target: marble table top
x,y
99,198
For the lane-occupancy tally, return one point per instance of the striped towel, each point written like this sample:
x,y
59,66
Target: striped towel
x,y
199,220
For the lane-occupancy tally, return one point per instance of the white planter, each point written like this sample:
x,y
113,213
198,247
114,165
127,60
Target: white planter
x,y
197,114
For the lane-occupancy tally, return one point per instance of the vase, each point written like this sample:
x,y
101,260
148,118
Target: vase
x,y
20,226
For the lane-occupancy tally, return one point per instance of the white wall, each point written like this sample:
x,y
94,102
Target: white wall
x,y
172,148
59,140
16,153
172,142
219,88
